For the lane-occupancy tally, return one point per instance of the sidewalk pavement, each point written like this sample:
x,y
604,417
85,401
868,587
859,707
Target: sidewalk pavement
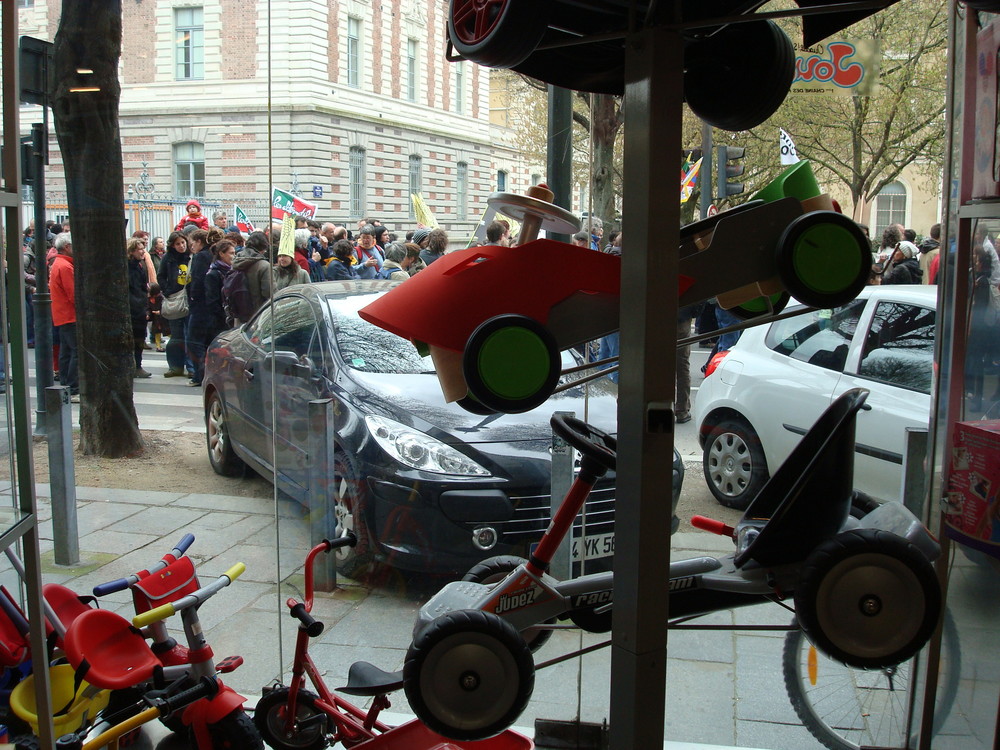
x,y
724,688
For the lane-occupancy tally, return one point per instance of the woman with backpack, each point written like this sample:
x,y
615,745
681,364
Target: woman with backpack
x,y
223,253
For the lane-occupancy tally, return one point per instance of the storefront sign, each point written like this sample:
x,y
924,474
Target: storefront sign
x,y
837,68
972,503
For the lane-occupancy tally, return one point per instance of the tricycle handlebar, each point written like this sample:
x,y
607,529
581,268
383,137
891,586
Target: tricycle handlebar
x,y
110,587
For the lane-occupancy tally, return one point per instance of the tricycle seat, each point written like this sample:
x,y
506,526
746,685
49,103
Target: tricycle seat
x,y
808,499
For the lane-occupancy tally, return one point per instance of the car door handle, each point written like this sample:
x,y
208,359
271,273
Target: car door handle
x,y
248,374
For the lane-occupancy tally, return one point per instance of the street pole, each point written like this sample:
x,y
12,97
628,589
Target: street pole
x,y
41,299
706,169
559,158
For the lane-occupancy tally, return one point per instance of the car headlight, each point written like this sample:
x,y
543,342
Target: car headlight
x,y
420,451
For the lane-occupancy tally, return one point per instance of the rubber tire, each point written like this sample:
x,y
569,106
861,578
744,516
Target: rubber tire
x,y
596,68
862,504
495,569
441,652
734,91
350,561
221,455
757,306
801,289
492,338
268,718
513,33
891,571
234,731
26,742
879,697
735,439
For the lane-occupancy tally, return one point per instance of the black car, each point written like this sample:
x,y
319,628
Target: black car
x,y
424,484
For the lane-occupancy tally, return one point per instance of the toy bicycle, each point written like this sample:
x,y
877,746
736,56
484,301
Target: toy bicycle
x,y
292,718
865,591
110,652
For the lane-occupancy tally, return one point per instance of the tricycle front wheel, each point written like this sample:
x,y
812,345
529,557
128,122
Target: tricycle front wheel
x,y
308,731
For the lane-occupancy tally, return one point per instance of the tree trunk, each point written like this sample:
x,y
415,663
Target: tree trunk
x,y
89,38
606,120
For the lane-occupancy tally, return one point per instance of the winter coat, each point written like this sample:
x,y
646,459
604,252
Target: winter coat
x,y
215,311
62,288
259,277
174,273
337,270
200,263
288,276
905,272
138,286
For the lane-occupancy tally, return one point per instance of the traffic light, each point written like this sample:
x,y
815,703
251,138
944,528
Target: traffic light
x,y
724,170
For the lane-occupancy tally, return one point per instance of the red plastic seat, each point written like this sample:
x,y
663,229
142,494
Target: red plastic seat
x,y
65,602
116,653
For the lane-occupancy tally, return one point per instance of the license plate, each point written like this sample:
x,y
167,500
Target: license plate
x,y
593,547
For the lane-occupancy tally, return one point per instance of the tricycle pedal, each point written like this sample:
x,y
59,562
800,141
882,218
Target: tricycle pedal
x,y
229,664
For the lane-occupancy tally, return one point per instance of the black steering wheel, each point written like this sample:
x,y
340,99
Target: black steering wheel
x,y
590,441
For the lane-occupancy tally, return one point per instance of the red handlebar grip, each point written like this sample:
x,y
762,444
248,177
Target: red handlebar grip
x,y
710,524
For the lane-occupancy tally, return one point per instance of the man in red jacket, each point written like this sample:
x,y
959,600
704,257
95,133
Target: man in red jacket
x,y
61,286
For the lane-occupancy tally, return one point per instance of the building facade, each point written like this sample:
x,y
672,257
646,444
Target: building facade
x,y
351,104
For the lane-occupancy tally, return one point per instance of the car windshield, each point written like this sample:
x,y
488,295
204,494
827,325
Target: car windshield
x,y
368,348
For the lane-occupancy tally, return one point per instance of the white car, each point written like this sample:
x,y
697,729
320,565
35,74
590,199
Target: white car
x,y
775,382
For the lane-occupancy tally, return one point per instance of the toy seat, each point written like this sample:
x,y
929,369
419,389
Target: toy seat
x,y
66,603
14,645
107,651
808,499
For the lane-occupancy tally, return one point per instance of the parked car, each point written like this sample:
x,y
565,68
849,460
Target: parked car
x,y
424,484
775,382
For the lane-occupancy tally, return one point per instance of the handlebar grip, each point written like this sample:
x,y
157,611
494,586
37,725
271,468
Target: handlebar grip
x,y
206,688
186,541
235,572
158,613
103,589
348,540
710,524
310,624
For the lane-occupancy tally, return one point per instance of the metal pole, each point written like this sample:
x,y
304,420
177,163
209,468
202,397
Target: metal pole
x,y
42,299
62,477
706,169
321,521
562,477
559,159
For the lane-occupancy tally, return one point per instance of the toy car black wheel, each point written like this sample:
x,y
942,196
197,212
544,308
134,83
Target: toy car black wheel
x,y
511,364
497,33
468,675
734,464
597,68
494,570
758,306
731,90
220,448
823,259
868,598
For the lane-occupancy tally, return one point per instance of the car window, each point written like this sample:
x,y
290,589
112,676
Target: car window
x,y
899,346
290,324
820,337
368,348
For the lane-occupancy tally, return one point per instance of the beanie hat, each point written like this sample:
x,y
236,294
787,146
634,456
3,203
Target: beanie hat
x,y
420,235
908,249
194,203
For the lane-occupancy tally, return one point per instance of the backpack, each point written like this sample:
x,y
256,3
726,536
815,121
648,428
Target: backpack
x,y
386,273
236,296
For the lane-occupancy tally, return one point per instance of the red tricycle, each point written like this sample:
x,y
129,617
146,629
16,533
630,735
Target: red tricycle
x,y
292,718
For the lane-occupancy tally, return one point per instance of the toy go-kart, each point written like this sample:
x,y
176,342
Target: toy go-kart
x,y
865,591
581,46
494,319
293,718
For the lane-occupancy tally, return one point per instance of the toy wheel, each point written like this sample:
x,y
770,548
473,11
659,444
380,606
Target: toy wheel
x,y
220,449
511,364
862,504
733,91
235,730
597,68
734,464
495,569
758,306
349,496
823,259
497,33
847,709
308,732
468,675
868,598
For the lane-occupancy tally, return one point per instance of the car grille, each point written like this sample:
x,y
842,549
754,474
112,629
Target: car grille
x,y
532,514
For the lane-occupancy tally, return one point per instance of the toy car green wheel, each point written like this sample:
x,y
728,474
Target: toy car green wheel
x,y
468,674
823,259
511,364
868,598
758,306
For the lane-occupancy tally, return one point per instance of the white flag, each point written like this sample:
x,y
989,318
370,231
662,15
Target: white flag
x,y
788,153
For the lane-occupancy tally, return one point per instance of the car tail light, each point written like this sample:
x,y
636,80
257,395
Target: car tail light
x,y
714,362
